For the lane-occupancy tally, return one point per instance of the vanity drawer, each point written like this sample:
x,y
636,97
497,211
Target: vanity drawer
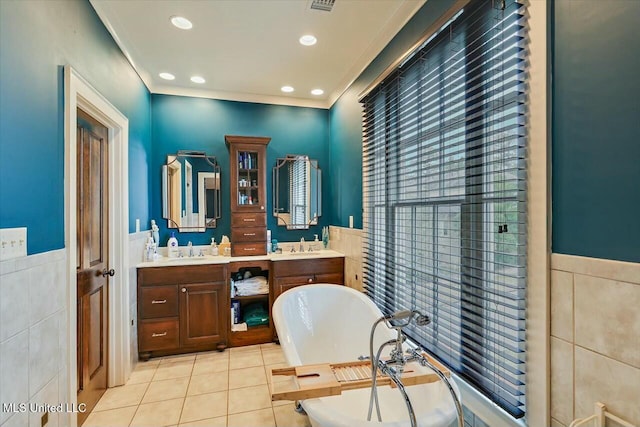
x,y
257,219
335,278
309,279
249,234
244,249
308,267
158,334
181,274
158,301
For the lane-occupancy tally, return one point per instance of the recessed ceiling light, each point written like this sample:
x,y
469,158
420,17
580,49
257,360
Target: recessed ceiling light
x,y
198,79
181,22
286,89
317,92
308,40
167,76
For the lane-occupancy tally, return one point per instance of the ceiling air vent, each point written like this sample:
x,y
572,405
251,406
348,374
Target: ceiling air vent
x,y
325,5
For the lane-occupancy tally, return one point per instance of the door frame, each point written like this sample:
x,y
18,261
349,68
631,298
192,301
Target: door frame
x,y
80,94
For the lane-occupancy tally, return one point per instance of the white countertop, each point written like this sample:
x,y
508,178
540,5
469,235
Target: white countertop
x,y
209,259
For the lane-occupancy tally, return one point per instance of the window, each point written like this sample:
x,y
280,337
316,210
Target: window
x,y
298,194
444,180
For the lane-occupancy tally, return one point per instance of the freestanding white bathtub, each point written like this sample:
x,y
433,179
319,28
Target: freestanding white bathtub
x,y
331,323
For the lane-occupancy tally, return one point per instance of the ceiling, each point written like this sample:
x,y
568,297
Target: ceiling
x,y
246,50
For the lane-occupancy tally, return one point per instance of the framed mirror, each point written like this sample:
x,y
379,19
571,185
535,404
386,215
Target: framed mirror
x,y
191,191
297,192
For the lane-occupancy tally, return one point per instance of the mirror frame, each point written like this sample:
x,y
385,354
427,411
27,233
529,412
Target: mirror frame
x,y
210,222
282,161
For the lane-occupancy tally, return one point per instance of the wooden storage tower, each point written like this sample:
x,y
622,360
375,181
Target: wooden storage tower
x,y
248,157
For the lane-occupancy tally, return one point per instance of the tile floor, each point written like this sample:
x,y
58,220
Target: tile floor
x,y
228,389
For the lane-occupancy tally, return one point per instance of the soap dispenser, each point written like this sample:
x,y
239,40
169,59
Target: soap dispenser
x,y
172,246
214,247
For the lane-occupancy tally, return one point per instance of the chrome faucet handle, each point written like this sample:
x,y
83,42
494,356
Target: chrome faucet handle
x,y
293,249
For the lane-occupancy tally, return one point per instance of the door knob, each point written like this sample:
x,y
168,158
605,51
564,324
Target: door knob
x,y
106,272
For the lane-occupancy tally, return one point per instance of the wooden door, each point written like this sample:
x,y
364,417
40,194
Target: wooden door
x,y
203,309
92,261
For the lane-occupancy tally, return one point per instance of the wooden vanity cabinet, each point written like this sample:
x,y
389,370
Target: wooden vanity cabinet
x,y
248,180
291,273
182,309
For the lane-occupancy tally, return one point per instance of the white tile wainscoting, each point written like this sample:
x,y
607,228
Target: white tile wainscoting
x,y
349,242
33,325
595,337
137,242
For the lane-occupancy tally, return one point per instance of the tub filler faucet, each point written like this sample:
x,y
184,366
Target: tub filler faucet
x,y
394,367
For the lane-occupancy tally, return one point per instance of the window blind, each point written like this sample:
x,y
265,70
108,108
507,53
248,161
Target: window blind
x,y
444,183
298,177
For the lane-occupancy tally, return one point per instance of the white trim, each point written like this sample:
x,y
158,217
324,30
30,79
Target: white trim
x,y
538,388
80,94
622,271
202,197
483,408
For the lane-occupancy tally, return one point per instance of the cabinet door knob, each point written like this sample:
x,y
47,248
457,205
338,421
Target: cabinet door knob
x,y
310,280
184,289
262,207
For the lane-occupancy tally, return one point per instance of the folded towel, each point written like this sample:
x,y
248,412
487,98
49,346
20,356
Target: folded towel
x,y
258,285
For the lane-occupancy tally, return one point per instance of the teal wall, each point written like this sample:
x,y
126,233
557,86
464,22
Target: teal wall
x,y
184,123
345,146
596,129
37,38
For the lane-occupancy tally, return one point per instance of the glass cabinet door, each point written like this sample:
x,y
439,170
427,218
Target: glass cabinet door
x,y
248,180
248,173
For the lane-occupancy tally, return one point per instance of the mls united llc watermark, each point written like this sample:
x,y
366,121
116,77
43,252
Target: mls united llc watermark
x,y
44,407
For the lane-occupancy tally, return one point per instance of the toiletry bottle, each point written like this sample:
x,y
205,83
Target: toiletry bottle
x,y
225,246
316,243
172,246
214,247
268,241
325,237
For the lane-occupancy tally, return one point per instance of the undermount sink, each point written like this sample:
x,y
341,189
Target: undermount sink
x,y
206,259
310,254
